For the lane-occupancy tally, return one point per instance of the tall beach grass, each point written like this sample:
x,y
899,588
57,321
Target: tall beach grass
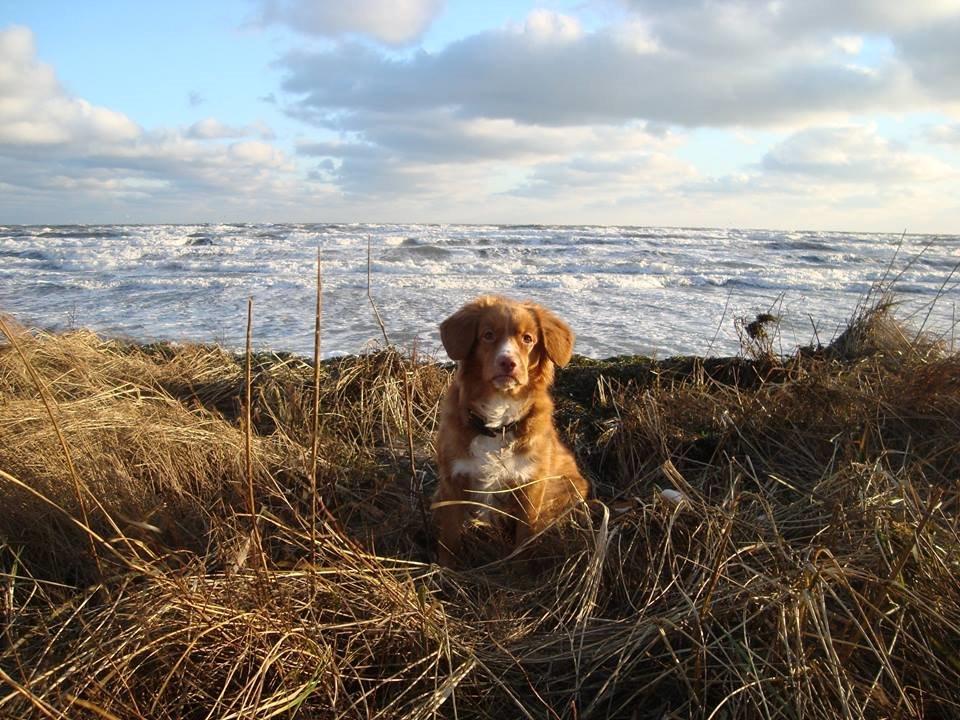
x,y
771,537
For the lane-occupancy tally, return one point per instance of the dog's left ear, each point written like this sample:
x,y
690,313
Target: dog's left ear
x,y
557,336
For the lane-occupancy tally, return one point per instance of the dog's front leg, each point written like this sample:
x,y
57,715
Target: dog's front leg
x,y
530,499
449,513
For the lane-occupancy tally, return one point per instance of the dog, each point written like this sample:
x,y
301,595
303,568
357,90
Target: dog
x,y
497,448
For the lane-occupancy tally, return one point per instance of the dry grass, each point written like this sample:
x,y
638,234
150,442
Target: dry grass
x,y
811,568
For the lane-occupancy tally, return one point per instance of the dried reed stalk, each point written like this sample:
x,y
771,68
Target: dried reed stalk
x,y
259,558
315,415
383,328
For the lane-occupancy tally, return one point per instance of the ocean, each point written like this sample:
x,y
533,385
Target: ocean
x,y
647,290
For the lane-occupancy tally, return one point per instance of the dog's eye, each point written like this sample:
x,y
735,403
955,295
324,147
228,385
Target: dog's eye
x,y
488,336
528,338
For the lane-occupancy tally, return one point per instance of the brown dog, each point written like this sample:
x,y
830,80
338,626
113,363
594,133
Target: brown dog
x,y
497,449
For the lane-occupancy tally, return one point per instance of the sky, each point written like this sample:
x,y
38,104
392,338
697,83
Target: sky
x,y
786,114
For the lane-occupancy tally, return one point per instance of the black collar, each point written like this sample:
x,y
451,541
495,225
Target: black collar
x,y
480,425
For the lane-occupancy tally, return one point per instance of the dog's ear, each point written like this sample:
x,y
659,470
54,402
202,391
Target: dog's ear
x,y
459,331
557,335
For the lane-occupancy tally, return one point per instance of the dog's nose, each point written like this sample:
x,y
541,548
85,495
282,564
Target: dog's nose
x,y
507,363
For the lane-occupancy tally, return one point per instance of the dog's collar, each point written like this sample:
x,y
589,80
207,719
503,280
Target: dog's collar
x,y
480,425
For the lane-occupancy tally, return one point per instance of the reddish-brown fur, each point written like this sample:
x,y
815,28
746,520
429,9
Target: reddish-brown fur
x,y
505,352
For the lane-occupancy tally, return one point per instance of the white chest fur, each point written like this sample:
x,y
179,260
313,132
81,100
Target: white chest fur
x,y
493,466
499,410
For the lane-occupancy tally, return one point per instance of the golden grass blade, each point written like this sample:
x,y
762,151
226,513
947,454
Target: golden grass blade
x,y
37,703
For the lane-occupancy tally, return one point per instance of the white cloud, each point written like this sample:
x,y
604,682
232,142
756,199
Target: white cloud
x,y
729,73
922,35
947,134
527,104
637,37
852,154
417,153
792,18
258,155
212,129
875,16
394,22
849,44
821,177
34,109
831,177
61,154
444,136
547,118
547,26
607,178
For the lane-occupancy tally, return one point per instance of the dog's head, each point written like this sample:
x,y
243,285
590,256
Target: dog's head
x,y
508,345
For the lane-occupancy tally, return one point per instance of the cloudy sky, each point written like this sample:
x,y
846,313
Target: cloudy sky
x,y
819,114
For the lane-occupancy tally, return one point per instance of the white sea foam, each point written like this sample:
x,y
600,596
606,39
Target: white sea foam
x,y
623,289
